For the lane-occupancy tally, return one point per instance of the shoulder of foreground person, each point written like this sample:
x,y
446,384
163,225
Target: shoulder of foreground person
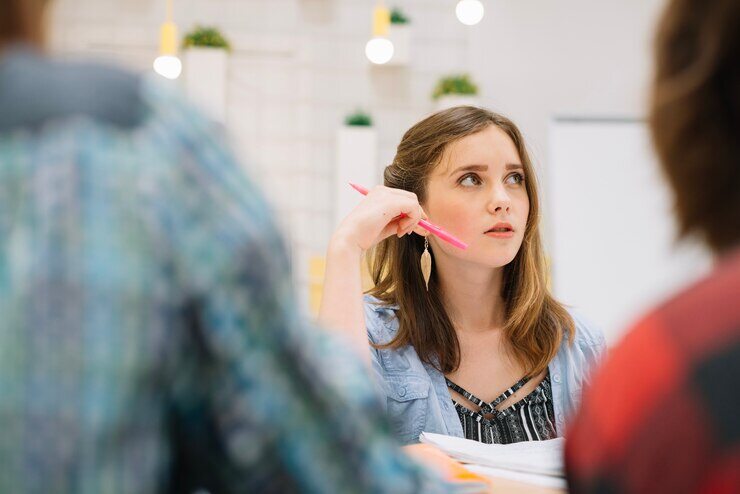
x,y
37,89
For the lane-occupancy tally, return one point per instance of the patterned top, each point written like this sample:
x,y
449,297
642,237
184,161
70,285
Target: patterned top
x,y
530,419
148,327
662,413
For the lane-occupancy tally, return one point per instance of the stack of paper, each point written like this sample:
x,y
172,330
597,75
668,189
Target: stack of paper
x,y
533,462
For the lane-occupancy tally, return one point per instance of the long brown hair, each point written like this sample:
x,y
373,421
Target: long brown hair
x,y
695,116
535,321
21,20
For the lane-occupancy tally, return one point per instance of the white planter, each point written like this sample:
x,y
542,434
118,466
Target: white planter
x,y
400,36
356,162
205,79
450,100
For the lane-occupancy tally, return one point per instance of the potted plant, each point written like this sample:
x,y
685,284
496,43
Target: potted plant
x,y
356,157
399,33
455,90
358,118
206,61
205,37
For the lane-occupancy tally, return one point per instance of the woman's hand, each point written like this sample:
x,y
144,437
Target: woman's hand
x,y
378,217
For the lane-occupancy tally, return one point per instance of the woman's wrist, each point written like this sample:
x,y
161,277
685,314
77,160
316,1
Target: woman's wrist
x,y
341,245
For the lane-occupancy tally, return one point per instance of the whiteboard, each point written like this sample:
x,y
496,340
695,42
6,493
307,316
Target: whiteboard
x,y
612,232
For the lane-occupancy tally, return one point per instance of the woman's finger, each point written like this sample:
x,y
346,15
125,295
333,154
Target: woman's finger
x,y
406,225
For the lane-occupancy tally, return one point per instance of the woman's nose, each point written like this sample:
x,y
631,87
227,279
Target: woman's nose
x,y
499,202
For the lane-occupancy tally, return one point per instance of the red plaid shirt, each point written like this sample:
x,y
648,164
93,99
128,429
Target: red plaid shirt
x,y
663,414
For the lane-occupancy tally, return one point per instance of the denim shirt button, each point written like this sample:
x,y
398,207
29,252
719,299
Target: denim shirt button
x,y
402,391
556,378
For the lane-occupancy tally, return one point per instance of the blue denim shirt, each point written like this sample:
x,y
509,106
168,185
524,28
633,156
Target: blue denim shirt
x,y
416,394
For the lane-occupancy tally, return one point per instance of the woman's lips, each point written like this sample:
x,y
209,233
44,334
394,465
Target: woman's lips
x,y
504,234
501,229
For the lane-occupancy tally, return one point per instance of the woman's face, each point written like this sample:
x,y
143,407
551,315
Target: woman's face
x,y
477,193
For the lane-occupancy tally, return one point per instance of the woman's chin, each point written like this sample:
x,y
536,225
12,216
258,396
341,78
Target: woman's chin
x,y
494,261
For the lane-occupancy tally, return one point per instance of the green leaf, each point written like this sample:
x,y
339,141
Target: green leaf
x,y
455,84
358,119
398,17
205,37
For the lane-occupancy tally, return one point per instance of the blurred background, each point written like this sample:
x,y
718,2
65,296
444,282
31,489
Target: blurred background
x,y
311,97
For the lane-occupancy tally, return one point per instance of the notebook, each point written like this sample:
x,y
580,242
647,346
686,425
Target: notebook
x,y
534,462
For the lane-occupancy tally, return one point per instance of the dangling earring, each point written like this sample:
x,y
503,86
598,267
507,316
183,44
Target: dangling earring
x,y
426,263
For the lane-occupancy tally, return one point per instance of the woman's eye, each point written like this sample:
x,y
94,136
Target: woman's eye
x,y
470,180
515,178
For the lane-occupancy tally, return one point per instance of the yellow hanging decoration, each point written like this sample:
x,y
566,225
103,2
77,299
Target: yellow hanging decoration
x,y
168,39
168,33
381,20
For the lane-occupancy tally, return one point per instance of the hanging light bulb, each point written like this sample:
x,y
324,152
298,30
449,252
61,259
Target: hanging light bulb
x,y
469,12
167,64
379,49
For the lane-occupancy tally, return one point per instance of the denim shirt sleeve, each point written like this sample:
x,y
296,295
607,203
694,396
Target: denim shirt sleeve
x,y
573,368
400,374
592,344
377,333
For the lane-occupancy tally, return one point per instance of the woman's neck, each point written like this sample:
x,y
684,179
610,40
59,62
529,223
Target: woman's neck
x,y
471,295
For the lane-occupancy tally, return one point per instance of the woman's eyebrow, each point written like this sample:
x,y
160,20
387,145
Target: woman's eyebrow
x,y
469,168
483,168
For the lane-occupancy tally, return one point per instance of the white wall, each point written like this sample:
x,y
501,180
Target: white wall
x,y
298,67
613,250
539,58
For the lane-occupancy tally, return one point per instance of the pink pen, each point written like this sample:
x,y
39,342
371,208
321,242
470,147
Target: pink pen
x,y
424,224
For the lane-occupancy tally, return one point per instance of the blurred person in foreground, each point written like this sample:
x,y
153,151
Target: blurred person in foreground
x,y
663,415
149,337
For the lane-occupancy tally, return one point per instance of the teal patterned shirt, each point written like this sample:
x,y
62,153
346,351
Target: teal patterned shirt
x,y
149,338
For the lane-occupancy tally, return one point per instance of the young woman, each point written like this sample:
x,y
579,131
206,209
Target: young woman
x,y
483,351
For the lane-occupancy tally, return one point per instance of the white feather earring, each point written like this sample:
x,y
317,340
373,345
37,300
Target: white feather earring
x,y
426,263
